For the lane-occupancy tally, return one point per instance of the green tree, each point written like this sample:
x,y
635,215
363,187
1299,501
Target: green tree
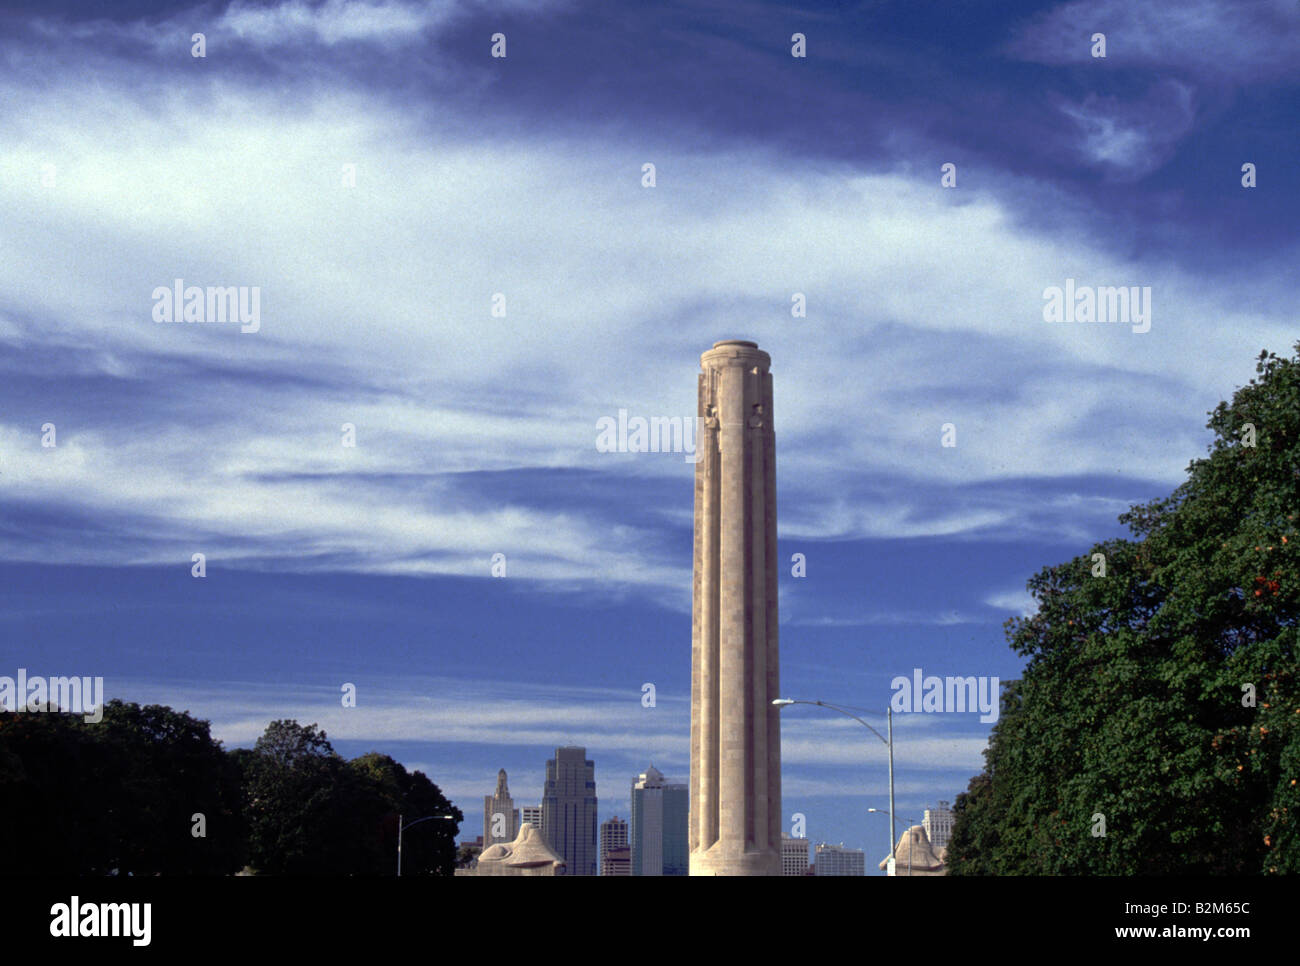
x,y
292,799
52,821
313,813
119,795
427,849
170,770
1133,712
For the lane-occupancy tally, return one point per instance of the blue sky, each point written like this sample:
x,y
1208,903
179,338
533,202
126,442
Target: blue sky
x,y
126,163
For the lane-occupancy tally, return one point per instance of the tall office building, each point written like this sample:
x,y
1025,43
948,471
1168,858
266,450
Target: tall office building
x,y
938,825
794,856
659,829
500,817
837,860
569,809
613,839
531,815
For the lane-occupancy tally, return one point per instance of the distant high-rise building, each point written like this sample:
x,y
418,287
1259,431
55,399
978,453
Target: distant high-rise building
x,y
531,815
837,860
569,809
659,830
500,817
794,856
938,825
613,838
619,861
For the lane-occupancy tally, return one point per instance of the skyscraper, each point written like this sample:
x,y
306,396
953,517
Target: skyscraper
x,y
569,809
735,794
500,817
613,837
531,815
660,819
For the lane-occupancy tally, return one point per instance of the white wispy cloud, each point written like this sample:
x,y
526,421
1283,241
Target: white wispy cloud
x,y
497,714
290,24
1136,136
1216,38
376,311
1019,601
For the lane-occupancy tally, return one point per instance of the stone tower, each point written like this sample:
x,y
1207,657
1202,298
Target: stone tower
x,y
735,795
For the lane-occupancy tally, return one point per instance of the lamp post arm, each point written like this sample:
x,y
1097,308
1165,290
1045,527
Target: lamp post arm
x,y
402,828
427,818
888,742
847,714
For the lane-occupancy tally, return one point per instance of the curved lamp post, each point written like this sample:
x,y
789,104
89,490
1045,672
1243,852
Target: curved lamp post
x,y
889,716
402,828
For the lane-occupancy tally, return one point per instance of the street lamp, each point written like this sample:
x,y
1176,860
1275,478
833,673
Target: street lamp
x,y
910,823
889,716
402,828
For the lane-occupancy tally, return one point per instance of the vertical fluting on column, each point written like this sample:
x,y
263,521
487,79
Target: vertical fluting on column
x,y
735,731
771,624
704,640
756,526
732,612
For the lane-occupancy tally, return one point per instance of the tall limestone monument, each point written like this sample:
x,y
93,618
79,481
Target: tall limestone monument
x,y
735,807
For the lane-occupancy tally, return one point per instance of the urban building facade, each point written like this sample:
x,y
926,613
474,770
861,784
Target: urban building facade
x,y
658,834
837,860
794,856
613,836
938,825
618,861
569,810
531,815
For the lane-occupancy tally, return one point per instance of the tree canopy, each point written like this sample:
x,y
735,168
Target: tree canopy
x,y
148,791
119,796
310,812
1156,726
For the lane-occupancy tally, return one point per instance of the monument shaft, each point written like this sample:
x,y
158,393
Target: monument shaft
x,y
735,817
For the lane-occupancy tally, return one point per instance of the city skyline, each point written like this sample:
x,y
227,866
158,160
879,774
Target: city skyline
x,y
418,474
937,821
